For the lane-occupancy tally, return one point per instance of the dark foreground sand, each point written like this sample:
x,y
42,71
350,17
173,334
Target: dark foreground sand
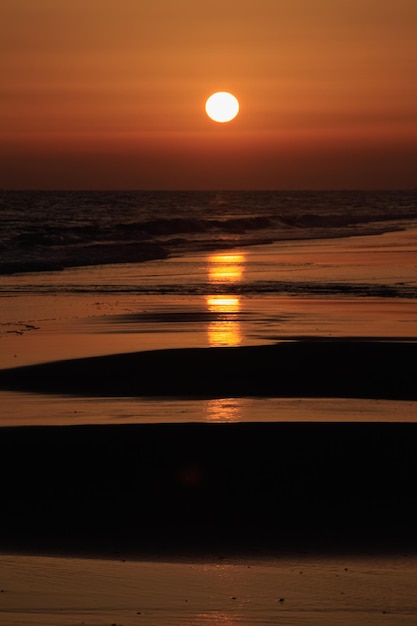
x,y
193,488
214,523
209,489
315,368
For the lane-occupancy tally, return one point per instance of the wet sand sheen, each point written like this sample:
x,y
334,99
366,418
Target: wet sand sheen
x,y
292,590
38,409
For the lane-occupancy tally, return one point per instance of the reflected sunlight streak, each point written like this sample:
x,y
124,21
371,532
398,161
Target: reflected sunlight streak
x,y
224,333
214,618
223,304
225,328
226,267
224,410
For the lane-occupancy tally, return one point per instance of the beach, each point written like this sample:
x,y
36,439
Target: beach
x,y
208,524
292,590
165,462
208,313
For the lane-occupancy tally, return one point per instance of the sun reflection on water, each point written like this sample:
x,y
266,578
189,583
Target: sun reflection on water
x,y
215,618
226,267
224,410
224,329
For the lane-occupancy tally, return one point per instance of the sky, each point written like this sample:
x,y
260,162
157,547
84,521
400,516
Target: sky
x,y
110,94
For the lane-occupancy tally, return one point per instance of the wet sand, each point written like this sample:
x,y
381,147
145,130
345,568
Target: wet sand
x,y
358,287
216,516
44,591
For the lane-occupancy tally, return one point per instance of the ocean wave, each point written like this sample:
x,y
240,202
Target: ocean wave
x,y
84,256
44,231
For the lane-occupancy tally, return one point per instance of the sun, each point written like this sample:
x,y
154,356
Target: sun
x,y
222,106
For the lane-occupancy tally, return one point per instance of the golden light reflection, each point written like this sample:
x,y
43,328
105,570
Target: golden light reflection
x,y
224,410
223,304
224,329
215,619
224,333
226,268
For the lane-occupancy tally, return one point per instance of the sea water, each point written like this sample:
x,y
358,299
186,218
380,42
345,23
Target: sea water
x,y
103,272
48,230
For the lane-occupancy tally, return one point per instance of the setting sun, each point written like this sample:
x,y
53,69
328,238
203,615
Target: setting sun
x,y
222,106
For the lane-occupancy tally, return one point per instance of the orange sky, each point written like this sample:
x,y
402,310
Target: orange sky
x,y
111,93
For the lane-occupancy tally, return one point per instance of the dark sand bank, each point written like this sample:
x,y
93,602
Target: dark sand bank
x,y
201,489
319,368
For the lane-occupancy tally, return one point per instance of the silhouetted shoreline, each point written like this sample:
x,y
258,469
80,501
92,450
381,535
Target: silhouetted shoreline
x,y
314,368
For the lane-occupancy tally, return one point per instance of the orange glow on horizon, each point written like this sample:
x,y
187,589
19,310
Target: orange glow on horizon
x,y
327,86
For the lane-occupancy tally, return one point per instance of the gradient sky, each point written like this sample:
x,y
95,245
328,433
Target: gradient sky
x,y
110,94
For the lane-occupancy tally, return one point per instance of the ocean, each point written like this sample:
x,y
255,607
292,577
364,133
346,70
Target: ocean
x,y
49,231
96,273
